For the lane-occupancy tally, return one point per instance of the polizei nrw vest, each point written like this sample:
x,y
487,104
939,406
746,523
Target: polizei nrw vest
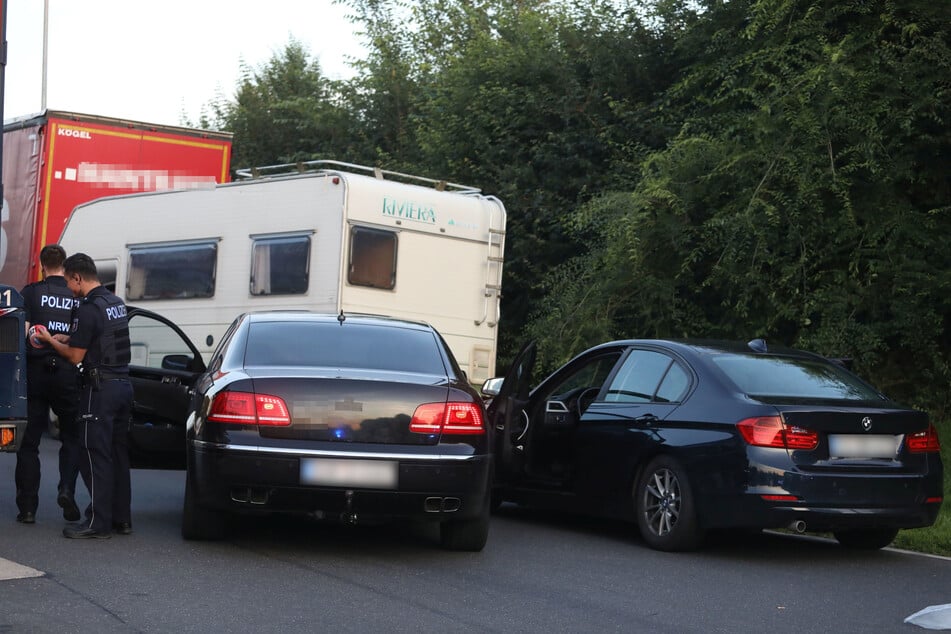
x,y
115,349
51,304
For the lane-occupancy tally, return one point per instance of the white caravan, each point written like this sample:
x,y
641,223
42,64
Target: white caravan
x,y
338,238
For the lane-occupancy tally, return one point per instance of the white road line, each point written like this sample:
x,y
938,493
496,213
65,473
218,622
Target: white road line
x,y
11,570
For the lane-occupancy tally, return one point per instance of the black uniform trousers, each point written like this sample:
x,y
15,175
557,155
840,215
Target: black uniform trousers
x,y
104,417
52,383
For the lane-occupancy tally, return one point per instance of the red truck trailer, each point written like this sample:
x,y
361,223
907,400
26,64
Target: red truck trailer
x,y
56,160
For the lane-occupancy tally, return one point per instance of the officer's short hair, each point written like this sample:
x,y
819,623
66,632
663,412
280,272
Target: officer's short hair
x,y
52,256
82,265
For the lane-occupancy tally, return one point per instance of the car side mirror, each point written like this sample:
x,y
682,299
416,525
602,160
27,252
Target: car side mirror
x,y
492,386
176,362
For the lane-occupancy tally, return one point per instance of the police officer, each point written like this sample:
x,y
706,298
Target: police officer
x,y
52,383
99,338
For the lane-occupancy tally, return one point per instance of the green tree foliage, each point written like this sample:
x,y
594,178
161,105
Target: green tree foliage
x,y
804,197
283,111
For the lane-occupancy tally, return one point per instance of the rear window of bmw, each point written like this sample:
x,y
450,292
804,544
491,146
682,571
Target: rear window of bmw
x,y
316,344
791,377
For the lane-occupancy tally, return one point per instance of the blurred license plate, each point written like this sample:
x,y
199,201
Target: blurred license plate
x,y
379,474
852,446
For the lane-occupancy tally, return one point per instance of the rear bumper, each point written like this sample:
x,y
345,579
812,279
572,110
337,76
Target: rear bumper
x,y
769,497
428,487
820,519
18,428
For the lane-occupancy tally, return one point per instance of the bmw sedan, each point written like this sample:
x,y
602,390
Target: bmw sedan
x,y
686,437
343,418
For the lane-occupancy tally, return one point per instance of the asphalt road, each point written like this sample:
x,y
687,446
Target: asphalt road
x,y
540,572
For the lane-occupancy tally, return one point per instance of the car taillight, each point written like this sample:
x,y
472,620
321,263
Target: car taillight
x,y
926,441
770,431
448,418
248,408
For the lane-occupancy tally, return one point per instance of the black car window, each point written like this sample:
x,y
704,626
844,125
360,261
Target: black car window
x,y
674,385
638,379
590,375
793,377
350,345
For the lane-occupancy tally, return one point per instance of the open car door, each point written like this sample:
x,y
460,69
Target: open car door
x,y
164,367
506,414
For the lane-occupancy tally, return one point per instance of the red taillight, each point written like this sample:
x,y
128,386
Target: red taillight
x,y
780,498
247,408
926,441
448,418
770,431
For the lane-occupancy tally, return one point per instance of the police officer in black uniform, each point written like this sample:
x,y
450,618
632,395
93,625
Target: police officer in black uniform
x,y
99,338
52,383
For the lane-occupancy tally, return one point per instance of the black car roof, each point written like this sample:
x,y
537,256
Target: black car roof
x,y
710,346
359,318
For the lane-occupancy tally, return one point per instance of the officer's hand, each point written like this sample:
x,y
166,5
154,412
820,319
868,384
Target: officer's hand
x,y
60,337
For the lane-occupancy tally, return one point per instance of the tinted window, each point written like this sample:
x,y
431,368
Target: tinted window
x,y
792,377
674,385
172,271
592,374
372,258
639,378
347,346
280,265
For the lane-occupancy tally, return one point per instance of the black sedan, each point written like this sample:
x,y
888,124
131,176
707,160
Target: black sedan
x,y
687,437
342,418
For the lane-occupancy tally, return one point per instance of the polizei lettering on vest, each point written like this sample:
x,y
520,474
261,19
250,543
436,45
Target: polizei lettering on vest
x,y
409,210
115,312
77,134
55,301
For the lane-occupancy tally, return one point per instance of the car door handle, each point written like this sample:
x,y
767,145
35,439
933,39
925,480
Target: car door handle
x,y
646,419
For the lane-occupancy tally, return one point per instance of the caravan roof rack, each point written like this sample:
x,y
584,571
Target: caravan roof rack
x,y
325,165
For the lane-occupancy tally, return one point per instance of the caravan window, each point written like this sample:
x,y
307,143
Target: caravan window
x,y
372,258
280,265
173,271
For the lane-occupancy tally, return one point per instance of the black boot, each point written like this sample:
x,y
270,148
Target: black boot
x,y
68,504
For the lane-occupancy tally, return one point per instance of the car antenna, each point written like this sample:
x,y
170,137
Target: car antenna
x,y
341,318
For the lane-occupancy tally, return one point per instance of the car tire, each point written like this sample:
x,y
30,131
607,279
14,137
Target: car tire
x,y
468,535
664,507
199,523
868,539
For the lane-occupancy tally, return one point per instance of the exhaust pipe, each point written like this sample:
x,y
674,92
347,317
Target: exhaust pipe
x,y
798,525
442,505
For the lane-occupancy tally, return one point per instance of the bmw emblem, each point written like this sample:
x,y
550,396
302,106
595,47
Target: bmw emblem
x,y
867,424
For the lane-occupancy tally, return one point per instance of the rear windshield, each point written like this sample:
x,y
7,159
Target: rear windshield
x,y
343,346
793,377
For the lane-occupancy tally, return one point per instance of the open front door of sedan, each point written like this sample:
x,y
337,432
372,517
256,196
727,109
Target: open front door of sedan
x,y
165,365
507,415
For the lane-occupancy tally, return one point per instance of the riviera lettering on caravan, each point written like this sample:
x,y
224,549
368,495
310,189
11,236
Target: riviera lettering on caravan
x,y
77,134
409,211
